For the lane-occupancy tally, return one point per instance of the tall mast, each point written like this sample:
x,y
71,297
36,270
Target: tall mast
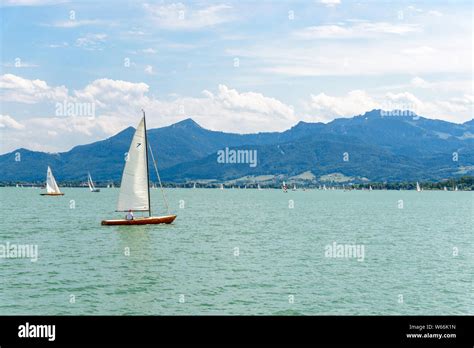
x,y
147,171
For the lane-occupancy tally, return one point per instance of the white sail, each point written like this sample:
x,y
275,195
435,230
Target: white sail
x,y
134,187
90,182
51,185
418,189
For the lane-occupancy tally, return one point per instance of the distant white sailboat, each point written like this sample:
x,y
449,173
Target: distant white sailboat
x,y
222,186
370,188
294,187
284,187
258,187
418,189
456,188
445,189
52,188
324,187
194,186
90,183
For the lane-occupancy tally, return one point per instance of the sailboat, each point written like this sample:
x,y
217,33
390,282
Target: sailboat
x,y
370,188
194,186
418,189
91,184
135,186
222,186
52,188
294,187
258,187
456,188
445,189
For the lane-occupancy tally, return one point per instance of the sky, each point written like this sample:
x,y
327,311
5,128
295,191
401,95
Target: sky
x,y
74,72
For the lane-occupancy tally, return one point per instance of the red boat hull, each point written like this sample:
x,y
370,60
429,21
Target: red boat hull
x,y
152,220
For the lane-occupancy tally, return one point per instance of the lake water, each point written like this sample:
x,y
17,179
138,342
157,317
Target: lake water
x,y
241,252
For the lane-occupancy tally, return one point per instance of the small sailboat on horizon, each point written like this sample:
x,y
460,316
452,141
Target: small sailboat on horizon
x,y
418,189
52,188
134,195
90,183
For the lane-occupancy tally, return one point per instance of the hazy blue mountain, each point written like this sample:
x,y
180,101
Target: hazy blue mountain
x,y
380,148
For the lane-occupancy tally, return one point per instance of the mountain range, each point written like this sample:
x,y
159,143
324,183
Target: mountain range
x,y
371,146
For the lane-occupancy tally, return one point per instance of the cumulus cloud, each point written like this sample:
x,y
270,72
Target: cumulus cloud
x,y
118,104
7,121
326,108
108,93
14,88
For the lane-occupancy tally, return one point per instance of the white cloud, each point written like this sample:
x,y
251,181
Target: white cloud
x,y
91,41
58,45
419,51
325,108
118,104
356,30
31,2
7,121
419,82
178,16
149,70
14,88
73,23
20,64
107,93
149,50
330,3
435,13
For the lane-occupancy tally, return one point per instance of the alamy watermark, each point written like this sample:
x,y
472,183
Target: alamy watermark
x,y
75,109
237,156
346,251
19,251
399,109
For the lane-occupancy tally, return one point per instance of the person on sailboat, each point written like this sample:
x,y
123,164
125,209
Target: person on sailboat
x,y
129,215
